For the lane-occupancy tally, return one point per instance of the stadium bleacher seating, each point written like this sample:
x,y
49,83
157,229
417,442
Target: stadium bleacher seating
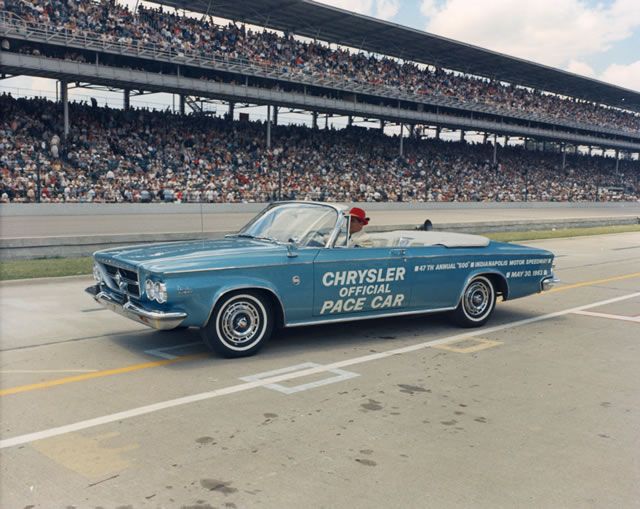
x,y
290,56
114,155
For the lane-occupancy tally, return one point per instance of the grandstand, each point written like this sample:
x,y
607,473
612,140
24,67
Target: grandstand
x,y
409,78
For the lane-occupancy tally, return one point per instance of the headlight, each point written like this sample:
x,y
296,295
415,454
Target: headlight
x,y
97,275
150,289
160,290
156,291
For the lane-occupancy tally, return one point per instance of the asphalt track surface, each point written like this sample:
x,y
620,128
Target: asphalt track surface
x,y
96,224
540,408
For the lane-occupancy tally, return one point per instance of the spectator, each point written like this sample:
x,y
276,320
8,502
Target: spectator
x,y
113,155
160,30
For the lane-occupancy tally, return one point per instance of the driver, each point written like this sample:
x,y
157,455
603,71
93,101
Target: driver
x,y
359,219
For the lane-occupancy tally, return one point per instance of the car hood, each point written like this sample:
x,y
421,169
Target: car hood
x,y
193,255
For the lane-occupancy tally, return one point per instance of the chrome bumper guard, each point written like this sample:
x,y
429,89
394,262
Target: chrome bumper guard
x,y
156,319
548,283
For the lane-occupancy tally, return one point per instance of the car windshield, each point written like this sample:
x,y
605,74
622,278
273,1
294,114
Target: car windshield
x,y
305,224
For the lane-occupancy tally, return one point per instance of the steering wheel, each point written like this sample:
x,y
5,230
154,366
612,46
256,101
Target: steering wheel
x,y
314,238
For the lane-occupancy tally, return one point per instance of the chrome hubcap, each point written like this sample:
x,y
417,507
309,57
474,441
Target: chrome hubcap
x,y
240,322
477,298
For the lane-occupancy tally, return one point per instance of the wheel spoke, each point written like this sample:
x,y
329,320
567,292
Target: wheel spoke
x,y
477,299
240,322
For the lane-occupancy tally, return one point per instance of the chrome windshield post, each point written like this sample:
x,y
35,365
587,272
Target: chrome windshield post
x,y
342,219
292,249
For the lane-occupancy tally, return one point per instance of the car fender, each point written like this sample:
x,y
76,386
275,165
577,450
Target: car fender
x,y
245,283
487,272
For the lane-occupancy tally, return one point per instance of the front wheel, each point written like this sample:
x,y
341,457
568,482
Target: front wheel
x,y
477,303
240,325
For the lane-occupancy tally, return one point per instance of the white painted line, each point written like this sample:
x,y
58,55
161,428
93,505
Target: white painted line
x,y
340,376
635,319
14,371
160,352
163,405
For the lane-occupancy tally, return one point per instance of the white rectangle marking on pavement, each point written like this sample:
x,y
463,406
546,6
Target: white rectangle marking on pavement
x,y
340,375
162,405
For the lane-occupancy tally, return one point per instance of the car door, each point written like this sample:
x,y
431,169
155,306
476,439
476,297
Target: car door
x,y
437,275
352,281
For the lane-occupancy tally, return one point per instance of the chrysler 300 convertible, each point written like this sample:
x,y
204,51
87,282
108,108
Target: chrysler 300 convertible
x,y
296,264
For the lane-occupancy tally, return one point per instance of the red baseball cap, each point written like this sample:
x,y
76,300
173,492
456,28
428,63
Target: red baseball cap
x,y
360,214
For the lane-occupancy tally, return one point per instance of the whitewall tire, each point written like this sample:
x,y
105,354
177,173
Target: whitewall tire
x,y
476,304
240,324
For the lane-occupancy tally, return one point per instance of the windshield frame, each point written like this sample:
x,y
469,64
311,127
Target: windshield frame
x,y
340,217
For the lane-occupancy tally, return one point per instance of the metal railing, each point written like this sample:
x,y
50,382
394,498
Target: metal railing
x,y
13,26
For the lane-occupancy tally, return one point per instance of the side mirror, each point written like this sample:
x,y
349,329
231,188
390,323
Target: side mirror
x,y
292,249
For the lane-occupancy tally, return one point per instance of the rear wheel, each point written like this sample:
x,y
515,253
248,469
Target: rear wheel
x,y
477,303
240,324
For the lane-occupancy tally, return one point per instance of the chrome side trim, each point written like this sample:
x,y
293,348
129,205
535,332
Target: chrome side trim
x,y
369,317
156,319
214,269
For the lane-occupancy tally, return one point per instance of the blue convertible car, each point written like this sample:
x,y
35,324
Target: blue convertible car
x,y
295,264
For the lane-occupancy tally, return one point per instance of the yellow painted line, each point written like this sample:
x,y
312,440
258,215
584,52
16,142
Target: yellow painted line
x,y
594,282
481,344
97,374
32,371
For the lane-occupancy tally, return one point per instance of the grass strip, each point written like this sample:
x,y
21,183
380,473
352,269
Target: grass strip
x,y
45,267
561,233
58,267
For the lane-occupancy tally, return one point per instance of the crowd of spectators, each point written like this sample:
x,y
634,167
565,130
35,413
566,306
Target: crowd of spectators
x,y
291,55
114,155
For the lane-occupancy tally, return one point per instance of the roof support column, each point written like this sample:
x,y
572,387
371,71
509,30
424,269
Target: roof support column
x,y
232,106
275,115
564,156
182,102
617,160
350,121
485,136
269,127
590,148
462,135
401,140
127,99
438,128
314,122
506,140
64,93
495,148
381,125
326,121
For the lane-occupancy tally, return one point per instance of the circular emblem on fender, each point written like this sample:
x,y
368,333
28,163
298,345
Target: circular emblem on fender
x,y
295,280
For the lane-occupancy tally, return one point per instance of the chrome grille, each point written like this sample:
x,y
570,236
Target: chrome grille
x,y
123,280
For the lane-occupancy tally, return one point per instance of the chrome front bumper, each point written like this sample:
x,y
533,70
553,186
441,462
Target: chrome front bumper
x,y
156,319
548,283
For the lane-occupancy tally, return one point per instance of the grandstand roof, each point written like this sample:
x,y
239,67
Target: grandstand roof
x,y
327,23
